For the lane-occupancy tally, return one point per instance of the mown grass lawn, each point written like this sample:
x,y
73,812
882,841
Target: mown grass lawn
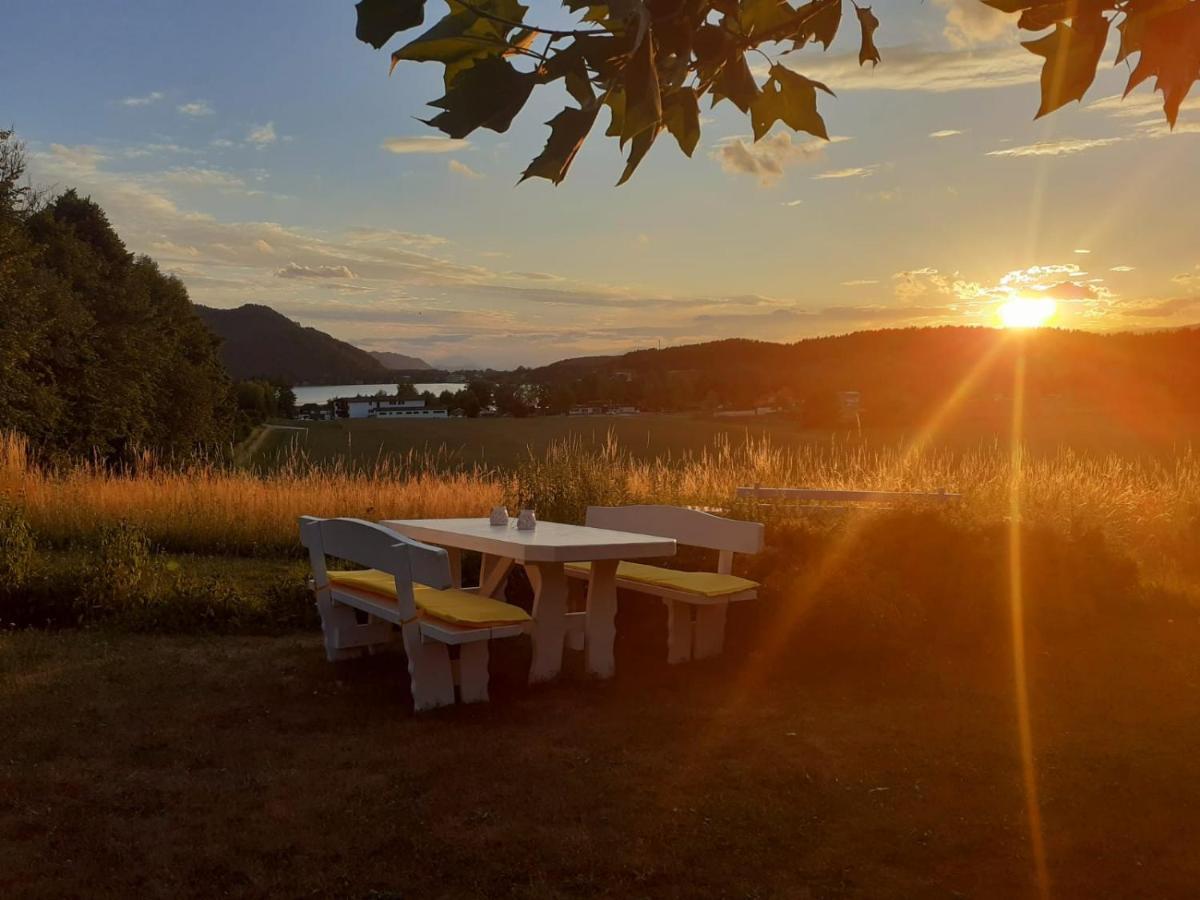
x,y
240,766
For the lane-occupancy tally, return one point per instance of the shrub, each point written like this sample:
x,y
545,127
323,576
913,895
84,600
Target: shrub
x,y
114,577
16,547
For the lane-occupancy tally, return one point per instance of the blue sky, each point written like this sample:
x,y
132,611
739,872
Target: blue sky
x,y
263,154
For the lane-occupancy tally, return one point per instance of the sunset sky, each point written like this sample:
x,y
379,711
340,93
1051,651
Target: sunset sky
x,y
261,152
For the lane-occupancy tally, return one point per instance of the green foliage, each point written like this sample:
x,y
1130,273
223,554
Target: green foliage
x,y
114,575
100,352
651,61
16,547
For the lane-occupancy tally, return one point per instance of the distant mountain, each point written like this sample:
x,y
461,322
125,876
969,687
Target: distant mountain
x,y
398,361
905,375
258,342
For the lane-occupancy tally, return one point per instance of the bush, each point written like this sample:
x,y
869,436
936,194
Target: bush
x,y
16,547
114,578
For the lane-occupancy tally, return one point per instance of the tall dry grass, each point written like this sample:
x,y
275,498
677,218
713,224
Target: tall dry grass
x,y
1150,508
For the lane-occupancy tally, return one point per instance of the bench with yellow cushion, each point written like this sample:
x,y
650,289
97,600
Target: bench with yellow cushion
x,y
703,584
458,607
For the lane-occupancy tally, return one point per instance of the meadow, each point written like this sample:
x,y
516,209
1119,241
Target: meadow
x,y
857,739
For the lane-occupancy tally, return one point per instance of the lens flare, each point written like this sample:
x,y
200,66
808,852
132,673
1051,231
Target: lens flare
x,y
1027,312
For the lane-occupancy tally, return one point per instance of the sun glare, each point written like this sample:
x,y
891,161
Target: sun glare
x,y
1027,312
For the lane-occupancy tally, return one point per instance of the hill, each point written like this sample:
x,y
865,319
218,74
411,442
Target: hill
x,y
398,362
258,342
905,375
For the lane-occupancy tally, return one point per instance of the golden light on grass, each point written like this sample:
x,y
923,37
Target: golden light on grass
x,y
1027,312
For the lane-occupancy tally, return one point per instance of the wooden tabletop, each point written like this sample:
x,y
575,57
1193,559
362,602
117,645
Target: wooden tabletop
x,y
548,542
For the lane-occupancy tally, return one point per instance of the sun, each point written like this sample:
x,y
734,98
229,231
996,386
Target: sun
x,y
1027,312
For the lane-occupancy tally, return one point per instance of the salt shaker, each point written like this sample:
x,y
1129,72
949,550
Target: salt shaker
x,y
526,520
499,515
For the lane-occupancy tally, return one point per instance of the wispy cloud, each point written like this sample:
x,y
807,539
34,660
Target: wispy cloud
x,y
969,22
152,97
262,135
1057,148
917,68
292,270
766,159
461,168
945,133
854,172
196,108
426,144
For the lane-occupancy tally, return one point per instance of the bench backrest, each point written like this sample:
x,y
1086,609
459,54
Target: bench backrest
x,y
371,545
687,526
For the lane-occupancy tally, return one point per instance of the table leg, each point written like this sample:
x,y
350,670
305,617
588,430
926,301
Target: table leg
x,y
601,627
454,556
549,619
493,571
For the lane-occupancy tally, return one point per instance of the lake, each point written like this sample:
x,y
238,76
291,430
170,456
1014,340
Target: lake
x,y
323,393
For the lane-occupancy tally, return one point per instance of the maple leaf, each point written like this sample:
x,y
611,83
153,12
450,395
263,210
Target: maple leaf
x,y
819,22
868,23
488,94
378,20
638,148
791,98
681,116
1072,53
643,100
735,83
568,130
1170,51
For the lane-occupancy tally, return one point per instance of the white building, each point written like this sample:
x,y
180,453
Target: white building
x,y
385,408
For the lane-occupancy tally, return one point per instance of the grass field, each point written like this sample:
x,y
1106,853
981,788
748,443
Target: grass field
x,y
504,441
858,739
248,767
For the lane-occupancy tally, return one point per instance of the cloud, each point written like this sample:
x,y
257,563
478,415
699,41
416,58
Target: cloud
x,y
1082,251
945,133
1161,309
425,144
855,172
262,135
196,108
766,159
152,97
199,177
859,281
460,168
791,203
1057,148
291,270
916,68
1121,269
970,22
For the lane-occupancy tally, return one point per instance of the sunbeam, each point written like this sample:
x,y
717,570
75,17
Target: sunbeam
x,y
1017,619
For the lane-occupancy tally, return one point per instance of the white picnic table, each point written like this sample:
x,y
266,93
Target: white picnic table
x,y
543,551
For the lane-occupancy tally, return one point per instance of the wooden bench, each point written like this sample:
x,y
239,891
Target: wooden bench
x,y
408,590
696,602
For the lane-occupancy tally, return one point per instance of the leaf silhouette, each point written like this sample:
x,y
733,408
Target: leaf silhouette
x,y
488,94
638,148
868,23
735,83
819,22
1072,53
681,115
791,98
378,20
568,130
1170,51
643,100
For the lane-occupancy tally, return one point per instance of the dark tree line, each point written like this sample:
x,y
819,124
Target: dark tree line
x,y
100,351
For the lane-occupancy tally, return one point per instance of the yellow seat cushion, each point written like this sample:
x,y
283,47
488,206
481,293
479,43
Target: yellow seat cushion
x,y
458,607
705,584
